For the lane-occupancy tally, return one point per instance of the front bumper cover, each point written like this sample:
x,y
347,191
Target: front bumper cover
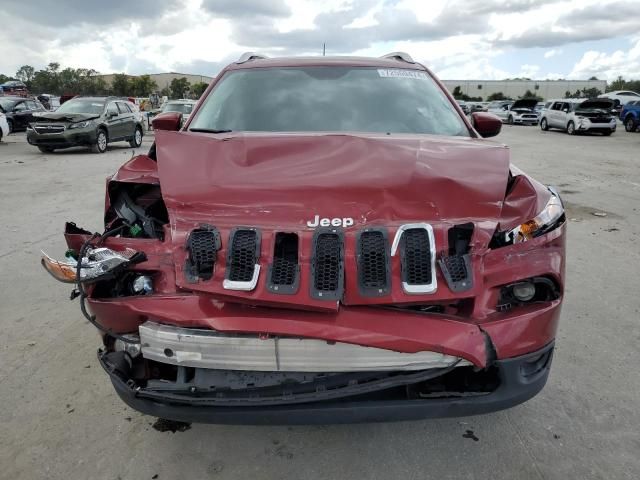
x,y
520,379
69,138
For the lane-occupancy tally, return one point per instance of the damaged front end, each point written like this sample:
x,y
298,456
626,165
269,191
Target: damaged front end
x,y
221,300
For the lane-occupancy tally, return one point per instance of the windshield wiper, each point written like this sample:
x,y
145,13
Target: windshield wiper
x,y
209,130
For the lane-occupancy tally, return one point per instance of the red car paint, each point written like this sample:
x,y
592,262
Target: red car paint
x,y
279,182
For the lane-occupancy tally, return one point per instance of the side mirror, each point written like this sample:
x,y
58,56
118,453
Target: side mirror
x,y
486,124
112,114
565,110
167,121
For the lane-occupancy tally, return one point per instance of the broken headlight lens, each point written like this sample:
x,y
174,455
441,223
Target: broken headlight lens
x,y
548,219
96,264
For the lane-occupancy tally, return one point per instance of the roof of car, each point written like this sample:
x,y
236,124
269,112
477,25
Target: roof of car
x,y
333,61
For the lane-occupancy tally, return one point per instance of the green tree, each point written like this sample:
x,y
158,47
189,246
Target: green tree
x,y
179,87
198,88
98,86
617,84
593,78
142,86
530,94
591,92
121,85
25,74
4,78
457,93
165,92
496,96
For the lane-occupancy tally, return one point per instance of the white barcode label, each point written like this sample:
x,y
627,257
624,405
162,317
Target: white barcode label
x,y
400,73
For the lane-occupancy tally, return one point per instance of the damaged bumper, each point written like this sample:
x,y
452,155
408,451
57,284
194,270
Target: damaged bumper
x,y
402,396
65,139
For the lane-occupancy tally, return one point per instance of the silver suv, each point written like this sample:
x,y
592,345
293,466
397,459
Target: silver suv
x,y
580,115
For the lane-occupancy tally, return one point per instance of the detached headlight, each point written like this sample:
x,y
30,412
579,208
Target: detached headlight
x,y
79,125
548,219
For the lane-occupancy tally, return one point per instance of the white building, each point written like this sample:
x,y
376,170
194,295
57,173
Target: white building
x,y
547,89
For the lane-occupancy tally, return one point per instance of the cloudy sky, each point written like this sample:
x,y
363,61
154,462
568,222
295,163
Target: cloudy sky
x,y
459,39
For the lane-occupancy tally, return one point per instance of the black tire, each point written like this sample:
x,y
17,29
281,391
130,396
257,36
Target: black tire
x,y
544,125
510,120
101,142
630,124
10,123
136,140
571,128
45,149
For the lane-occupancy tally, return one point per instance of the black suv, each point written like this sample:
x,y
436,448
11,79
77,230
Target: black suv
x,y
19,111
89,121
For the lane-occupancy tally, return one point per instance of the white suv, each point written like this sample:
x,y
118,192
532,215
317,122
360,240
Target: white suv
x,y
623,96
580,115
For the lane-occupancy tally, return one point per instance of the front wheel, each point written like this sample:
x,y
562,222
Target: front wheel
x,y
571,128
10,124
630,124
510,120
45,149
101,142
136,141
544,125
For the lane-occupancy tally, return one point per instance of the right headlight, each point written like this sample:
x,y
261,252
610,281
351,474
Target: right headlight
x,y
549,218
80,125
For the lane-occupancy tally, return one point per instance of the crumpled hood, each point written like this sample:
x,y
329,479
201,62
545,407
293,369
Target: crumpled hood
x,y
65,117
284,180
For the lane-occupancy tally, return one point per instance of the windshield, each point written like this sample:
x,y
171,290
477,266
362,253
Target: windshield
x,y
178,107
7,105
329,99
82,105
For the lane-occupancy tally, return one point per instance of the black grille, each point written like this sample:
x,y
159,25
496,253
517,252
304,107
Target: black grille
x,y
203,245
243,255
327,265
49,128
284,271
456,267
457,272
373,264
416,257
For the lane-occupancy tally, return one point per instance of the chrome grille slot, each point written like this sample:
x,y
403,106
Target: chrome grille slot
x,y
416,244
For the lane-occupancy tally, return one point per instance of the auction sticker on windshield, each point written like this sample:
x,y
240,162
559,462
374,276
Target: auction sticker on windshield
x,y
397,72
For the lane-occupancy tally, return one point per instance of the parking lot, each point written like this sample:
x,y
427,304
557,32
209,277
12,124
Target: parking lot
x,y
62,419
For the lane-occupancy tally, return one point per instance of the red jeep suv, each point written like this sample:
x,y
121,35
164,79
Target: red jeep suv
x,y
326,239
